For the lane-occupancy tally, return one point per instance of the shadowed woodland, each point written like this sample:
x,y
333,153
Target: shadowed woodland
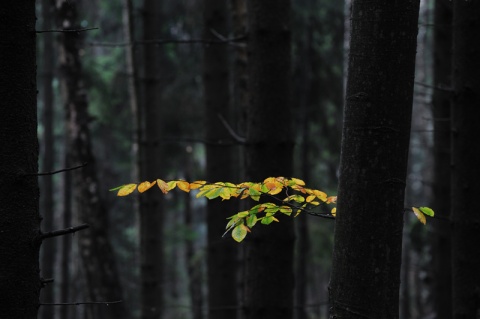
x,y
376,102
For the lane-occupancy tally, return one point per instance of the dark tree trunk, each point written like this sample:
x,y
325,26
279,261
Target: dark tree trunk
x,y
94,245
465,158
269,147
151,203
441,241
19,198
222,252
368,232
47,150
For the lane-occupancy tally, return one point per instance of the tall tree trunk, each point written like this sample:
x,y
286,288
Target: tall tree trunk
x,y
221,262
368,231
19,198
46,203
95,249
151,203
465,158
441,241
269,147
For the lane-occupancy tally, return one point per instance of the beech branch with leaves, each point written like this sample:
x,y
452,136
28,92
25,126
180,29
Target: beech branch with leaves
x,y
295,198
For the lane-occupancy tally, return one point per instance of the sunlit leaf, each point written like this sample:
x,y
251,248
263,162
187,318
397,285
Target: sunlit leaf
x,y
242,214
427,211
162,185
310,198
331,199
286,210
184,186
171,185
126,189
239,232
334,211
298,181
296,198
143,187
252,220
197,184
420,215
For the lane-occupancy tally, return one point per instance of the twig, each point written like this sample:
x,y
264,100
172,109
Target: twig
x,y
440,88
66,31
62,232
106,303
58,171
238,138
226,40
168,41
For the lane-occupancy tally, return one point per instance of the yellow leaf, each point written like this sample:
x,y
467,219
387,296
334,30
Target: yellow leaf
x,y
239,232
298,181
310,198
197,184
126,189
334,211
184,186
171,185
162,185
321,195
420,215
331,199
142,187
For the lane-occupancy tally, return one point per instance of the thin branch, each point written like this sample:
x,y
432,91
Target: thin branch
x,y
236,137
61,232
58,171
106,303
66,31
436,87
226,40
169,41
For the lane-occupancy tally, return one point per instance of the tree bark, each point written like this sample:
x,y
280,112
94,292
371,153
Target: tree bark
x,y
368,232
151,203
465,158
95,249
441,239
222,252
269,147
47,151
19,196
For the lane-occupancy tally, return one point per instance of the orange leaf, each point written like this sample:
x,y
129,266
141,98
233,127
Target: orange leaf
x,y
184,186
142,187
197,184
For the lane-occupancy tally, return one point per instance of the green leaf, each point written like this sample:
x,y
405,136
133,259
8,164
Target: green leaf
x,y
252,220
239,232
427,211
242,214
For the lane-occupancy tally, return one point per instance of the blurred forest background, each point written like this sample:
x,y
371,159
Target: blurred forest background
x,y
141,70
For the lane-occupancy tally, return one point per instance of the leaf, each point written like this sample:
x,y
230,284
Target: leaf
x,y
322,196
298,181
242,214
334,211
239,232
126,189
162,185
116,188
171,185
310,198
143,187
331,199
184,186
420,215
252,220
296,198
286,210
197,184
427,211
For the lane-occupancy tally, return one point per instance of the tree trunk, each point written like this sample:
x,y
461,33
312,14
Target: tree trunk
x,y
95,249
19,198
222,252
47,151
151,203
465,158
368,232
269,148
441,240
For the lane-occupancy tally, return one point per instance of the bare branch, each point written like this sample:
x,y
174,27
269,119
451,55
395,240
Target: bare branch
x,y
169,41
58,171
66,31
438,87
62,232
106,303
236,137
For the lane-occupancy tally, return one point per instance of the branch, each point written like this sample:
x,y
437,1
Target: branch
x,y
66,31
169,41
58,171
106,303
438,87
236,137
226,40
62,232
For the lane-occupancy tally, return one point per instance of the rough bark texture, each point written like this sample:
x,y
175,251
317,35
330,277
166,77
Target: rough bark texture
x,y
221,263
441,242
94,246
47,150
151,203
269,257
465,158
19,198
368,232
